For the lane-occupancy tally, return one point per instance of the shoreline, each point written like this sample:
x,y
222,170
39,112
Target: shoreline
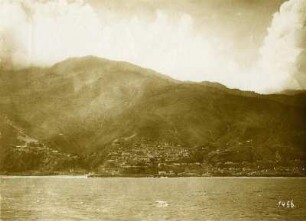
x,y
133,176
98,174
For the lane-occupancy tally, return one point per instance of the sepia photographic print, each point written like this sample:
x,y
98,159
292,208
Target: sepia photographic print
x,y
157,110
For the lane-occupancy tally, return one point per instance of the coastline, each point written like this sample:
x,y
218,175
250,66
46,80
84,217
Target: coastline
x,y
144,176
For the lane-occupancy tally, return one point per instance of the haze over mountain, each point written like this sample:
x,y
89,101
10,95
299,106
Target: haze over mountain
x,y
84,105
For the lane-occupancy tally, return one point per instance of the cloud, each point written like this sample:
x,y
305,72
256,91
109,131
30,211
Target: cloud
x,y
282,62
37,32
45,33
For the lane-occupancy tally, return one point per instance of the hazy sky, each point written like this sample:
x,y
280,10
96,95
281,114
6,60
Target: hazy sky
x,y
248,44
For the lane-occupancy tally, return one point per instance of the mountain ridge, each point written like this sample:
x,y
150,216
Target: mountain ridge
x,y
84,105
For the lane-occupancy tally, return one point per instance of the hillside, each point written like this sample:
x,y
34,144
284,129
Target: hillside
x,y
88,106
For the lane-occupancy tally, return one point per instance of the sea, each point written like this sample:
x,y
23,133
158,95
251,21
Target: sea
x,y
201,198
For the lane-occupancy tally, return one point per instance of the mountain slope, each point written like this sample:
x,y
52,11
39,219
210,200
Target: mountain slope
x,y
83,105
73,96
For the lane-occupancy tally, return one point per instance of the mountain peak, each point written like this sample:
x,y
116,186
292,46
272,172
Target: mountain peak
x,y
82,105
94,63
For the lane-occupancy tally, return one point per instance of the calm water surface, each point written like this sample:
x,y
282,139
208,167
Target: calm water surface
x,y
78,198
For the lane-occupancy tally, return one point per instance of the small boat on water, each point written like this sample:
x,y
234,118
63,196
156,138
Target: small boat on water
x,y
161,203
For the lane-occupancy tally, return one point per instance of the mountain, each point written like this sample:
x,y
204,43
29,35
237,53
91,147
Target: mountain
x,y
20,152
82,106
